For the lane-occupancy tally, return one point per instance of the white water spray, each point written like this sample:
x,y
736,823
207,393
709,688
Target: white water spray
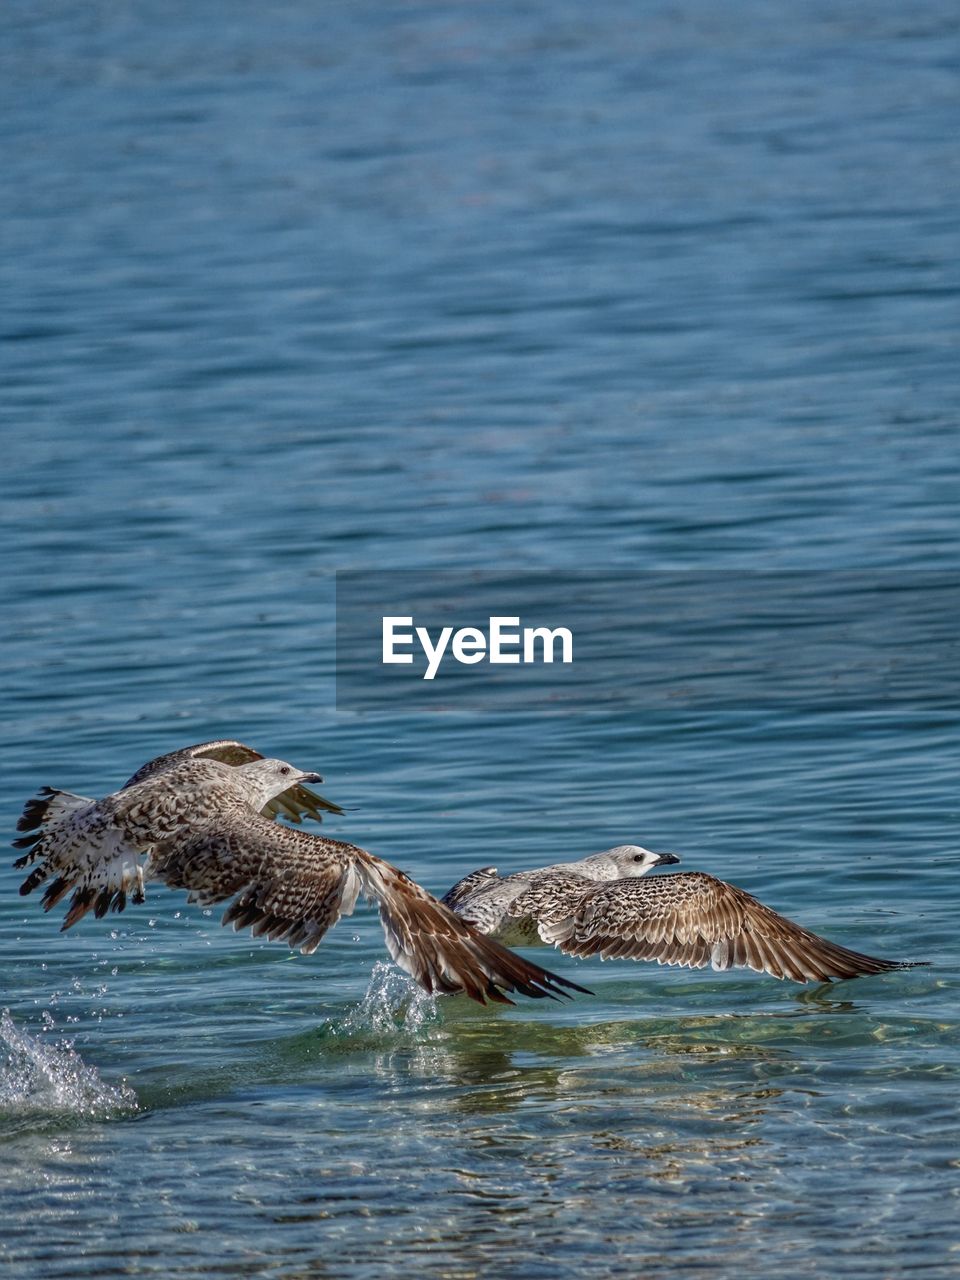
x,y
392,1003
41,1077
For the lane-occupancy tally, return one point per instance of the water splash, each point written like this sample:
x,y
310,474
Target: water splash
x,y
392,1003
40,1077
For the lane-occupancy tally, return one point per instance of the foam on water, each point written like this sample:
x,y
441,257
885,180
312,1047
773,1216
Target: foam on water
x,y
52,1078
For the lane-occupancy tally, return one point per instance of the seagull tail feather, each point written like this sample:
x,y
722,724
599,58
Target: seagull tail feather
x,y
42,818
48,809
100,880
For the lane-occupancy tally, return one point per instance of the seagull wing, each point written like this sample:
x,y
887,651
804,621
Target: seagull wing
x,y
225,750
292,886
296,804
692,919
96,848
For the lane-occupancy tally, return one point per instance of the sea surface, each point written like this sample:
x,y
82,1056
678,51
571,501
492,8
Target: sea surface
x,y
611,287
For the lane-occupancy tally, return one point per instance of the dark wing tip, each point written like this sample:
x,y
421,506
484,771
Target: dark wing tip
x,y
496,996
312,801
566,982
34,811
842,963
299,803
526,977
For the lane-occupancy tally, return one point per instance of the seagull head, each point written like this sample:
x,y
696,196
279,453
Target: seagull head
x,y
631,860
264,779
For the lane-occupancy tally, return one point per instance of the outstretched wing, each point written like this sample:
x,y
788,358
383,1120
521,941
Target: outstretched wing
x,y
692,919
296,804
226,750
291,886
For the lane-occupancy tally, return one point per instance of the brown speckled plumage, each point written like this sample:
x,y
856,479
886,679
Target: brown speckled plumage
x,y
692,919
201,819
511,908
689,919
295,804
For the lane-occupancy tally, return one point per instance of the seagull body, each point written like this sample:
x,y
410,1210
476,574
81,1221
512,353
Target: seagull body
x,y
602,906
203,819
510,908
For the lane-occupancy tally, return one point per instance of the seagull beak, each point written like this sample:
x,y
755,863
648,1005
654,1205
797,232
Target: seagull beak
x,y
665,859
312,777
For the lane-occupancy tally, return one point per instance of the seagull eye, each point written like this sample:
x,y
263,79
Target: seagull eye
x,y
284,771
638,857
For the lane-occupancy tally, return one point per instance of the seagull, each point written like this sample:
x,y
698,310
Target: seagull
x,y
601,905
204,819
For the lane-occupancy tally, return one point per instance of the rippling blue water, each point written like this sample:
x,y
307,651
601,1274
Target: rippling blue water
x,y
300,288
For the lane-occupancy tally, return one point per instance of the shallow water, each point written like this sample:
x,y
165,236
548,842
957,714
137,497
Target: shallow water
x,y
383,287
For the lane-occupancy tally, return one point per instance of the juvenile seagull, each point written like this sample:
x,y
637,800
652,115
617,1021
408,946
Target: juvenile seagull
x,y
205,824
509,908
601,906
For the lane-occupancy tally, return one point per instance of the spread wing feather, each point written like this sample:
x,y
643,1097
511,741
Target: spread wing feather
x,y
692,919
291,886
296,804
